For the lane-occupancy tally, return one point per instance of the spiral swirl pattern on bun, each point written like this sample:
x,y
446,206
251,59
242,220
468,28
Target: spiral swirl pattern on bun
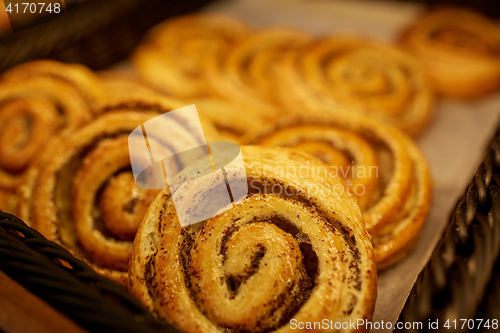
x,y
86,197
37,101
352,74
383,167
172,59
270,257
459,50
247,74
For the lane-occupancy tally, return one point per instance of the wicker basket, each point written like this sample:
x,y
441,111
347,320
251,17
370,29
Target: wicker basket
x,y
68,284
95,33
454,281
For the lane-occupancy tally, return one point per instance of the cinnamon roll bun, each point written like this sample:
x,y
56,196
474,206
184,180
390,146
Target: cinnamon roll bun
x,y
459,50
172,58
35,105
383,168
85,196
292,249
247,73
359,75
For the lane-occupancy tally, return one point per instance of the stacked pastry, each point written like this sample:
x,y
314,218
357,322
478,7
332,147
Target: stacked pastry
x,y
459,49
325,99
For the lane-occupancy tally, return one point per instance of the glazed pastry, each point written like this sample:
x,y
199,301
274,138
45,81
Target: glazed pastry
x,y
358,75
173,56
301,253
384,169
37,101
86,198
459,49
247,73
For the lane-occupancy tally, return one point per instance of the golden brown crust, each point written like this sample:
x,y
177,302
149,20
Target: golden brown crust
x,y
246,74
126,93
121,83
394,242
8,201
459,49
384,168
93,165
303,254
150,101
280,71
232,121
172,58
37,100
75,221
354,74
79,77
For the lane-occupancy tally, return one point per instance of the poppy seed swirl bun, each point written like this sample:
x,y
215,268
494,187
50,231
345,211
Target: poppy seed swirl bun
x,y
293,248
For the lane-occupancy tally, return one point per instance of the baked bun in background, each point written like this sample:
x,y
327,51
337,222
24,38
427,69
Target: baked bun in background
x,y
232,120
459,49
172,58
354,74
281,71
384,168
247,73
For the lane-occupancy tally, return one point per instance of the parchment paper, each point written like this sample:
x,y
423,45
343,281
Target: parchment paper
x,y
453,144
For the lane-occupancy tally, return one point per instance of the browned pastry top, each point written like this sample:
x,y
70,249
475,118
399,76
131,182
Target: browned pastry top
x,y
383,168
459,50
293,248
